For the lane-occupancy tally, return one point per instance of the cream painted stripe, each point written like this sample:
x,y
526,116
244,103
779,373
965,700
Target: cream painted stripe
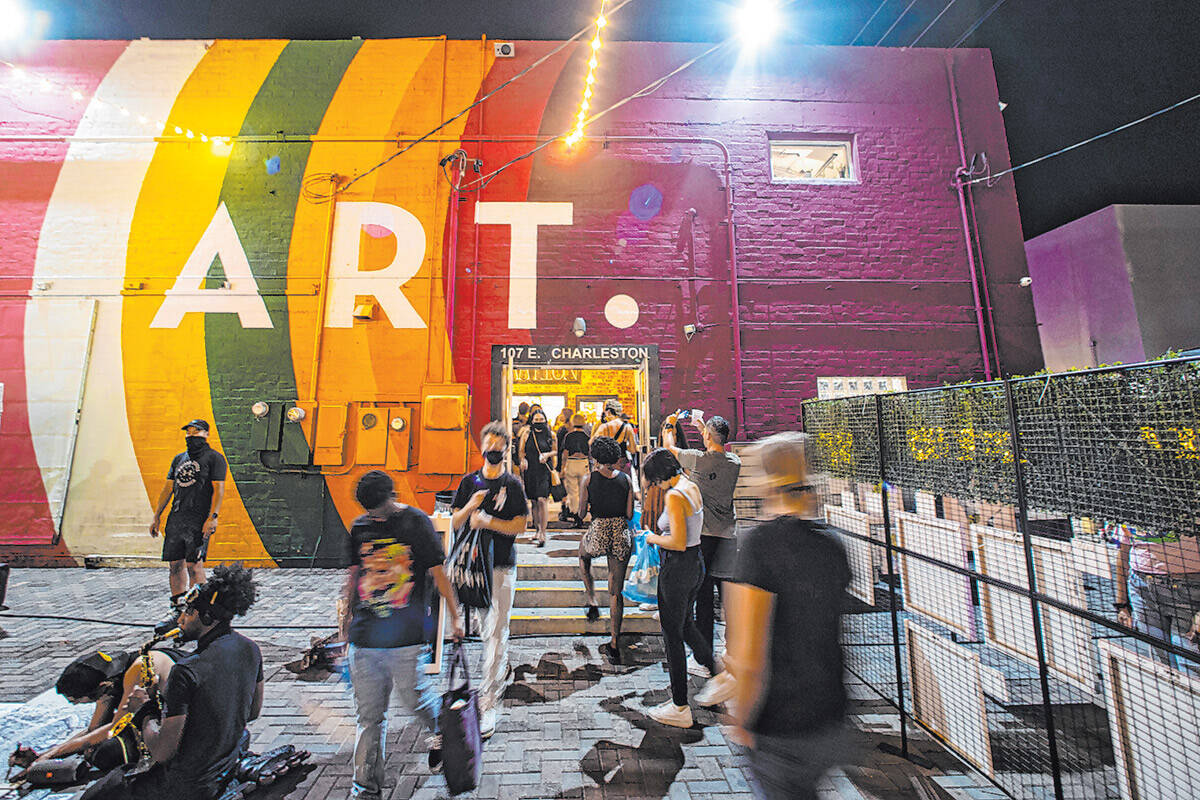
x,y
82,251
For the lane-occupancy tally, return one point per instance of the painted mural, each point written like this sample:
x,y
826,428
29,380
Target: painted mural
x,y
356,296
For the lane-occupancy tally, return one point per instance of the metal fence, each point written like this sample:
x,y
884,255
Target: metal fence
x,y
995,532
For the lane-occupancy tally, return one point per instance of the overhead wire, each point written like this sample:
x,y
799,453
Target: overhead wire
x,y
978,22
991,179
897,22
311,182
932,22
870,19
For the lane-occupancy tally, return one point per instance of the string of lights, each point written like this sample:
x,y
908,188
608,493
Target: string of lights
x,y
157,127
594,62
990,180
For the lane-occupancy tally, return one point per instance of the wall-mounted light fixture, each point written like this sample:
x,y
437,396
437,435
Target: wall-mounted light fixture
x,y
259,409
295,414
579,327
364,311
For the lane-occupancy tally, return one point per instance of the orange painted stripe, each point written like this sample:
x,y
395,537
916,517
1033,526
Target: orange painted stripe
x,y
165,371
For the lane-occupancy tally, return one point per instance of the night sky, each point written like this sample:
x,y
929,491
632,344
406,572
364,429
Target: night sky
x,y
1068,69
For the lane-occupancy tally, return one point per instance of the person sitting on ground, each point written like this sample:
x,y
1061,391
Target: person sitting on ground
x,y
608,495
207,701
105,678
784,622
679,579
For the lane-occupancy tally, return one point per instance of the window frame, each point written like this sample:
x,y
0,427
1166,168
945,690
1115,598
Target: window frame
x,y
849,140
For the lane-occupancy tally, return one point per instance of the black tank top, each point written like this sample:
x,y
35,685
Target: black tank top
x,y
608,497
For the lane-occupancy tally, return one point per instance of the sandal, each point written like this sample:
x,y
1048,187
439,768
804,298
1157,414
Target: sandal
x,y
593,613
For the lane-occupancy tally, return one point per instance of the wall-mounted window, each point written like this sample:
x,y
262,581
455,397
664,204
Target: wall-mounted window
x,y
812,160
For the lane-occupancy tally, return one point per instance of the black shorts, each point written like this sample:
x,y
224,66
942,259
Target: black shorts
x,y
183,540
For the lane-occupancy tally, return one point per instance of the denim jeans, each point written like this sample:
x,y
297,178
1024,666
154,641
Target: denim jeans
x,y
374,672
679,580
789,768
1163,606
494,632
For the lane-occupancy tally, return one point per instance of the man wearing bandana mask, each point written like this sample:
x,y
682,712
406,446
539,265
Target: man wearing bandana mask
x,y
195,488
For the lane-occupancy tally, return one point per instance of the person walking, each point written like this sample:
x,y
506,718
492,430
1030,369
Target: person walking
x,y
573,456
195,488
784,621
715,471
492,499
614,426
537,460
679,579
608,495
396,559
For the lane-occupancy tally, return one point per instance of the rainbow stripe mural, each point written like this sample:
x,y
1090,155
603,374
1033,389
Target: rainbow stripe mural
x,y
144,283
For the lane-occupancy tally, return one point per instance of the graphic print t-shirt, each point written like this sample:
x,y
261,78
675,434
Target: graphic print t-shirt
x,y
505,500
193,477
392,602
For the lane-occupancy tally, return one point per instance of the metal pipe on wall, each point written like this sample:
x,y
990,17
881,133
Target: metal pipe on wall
x,y
960,187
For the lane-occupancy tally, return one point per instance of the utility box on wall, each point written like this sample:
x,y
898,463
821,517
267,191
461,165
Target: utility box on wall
x,y
329,445
370,447
445,419
399,439
295,447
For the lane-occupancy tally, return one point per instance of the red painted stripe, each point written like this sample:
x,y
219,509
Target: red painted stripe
x,y
28,172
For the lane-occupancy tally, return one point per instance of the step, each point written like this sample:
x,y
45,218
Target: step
x,y
548,621
560,570
557,594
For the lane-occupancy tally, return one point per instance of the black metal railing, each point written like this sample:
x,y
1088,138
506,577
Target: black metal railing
x,y
1027,571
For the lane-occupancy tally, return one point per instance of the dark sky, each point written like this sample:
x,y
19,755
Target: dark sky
x,y
1068,69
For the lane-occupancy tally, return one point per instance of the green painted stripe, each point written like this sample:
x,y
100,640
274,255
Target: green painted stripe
x,y
292,513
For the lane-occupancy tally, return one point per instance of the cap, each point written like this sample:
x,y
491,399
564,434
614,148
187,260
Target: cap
x,y
196,423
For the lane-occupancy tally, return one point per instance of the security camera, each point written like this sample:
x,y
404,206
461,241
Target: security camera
x,y
579,327
504,49
689,331
1026,281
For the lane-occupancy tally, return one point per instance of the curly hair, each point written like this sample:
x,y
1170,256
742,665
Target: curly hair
x,y
80,679
605,450
661,465
230,589
374,489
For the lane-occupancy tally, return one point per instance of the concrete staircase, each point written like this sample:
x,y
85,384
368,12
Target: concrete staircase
x,y
550,596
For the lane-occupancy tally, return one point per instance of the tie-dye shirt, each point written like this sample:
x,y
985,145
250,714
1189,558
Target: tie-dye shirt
x,y
392,603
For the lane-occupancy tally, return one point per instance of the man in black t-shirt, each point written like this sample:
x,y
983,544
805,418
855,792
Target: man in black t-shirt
x,y
387,618
573,456
196,482
492,499
208,699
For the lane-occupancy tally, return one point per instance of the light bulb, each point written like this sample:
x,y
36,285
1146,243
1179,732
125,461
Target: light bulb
x,y
583,106
601,21
590,79
593,63
178,130
596,43
189,134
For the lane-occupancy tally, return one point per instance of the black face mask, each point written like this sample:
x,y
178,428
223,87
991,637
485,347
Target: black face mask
x,y
539,426
493,457
195,444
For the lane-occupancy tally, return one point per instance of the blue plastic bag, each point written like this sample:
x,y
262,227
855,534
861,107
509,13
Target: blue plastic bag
x,y
642,584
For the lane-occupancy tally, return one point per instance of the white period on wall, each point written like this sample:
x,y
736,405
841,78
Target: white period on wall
x,y
82,252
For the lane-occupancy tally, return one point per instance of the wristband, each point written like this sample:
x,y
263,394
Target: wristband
x,y
486,518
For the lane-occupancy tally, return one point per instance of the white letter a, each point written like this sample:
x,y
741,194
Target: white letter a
x,y
241,297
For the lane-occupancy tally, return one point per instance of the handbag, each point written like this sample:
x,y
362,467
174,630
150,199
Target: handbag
x,y
642,584
458,720
557,490
469,567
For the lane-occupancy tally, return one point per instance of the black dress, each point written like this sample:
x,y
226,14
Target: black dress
x,y
537,476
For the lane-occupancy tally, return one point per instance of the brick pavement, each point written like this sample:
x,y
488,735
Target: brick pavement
x,y
574,726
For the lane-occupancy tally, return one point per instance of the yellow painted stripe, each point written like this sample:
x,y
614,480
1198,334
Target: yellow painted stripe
x,y
166,378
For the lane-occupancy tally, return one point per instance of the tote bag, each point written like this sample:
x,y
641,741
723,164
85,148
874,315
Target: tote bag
x,y
458,720
469,567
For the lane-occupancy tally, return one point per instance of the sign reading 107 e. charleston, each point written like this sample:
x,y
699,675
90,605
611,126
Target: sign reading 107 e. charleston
x,y
526,355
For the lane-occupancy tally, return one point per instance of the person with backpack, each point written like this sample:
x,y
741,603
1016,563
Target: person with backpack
x,y
608,495
492,499
387,619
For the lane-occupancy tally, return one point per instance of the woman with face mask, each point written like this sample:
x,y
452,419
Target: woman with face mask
x,y
538,457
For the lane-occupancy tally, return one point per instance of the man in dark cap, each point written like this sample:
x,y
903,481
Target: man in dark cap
x,y
196,481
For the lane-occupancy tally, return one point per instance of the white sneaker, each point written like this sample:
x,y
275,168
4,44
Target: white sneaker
x,y
487,722
717,690
670,714
696,668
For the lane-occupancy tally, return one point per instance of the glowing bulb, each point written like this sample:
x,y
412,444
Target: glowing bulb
x,y
178,130
76,95
584,106
124,112
142,120
587,94
221,147
601,21
203,138
590,79
596,43
593,63
190,135
758,21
